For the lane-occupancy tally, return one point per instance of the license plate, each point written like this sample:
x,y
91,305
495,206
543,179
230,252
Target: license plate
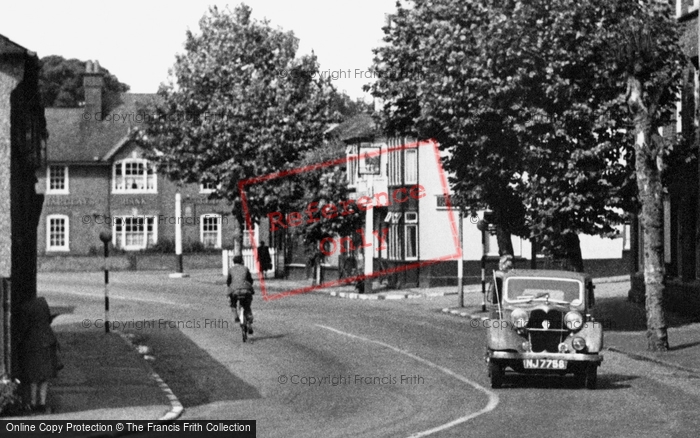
x,y
544,364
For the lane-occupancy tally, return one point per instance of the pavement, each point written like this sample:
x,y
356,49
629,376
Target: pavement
x,y
109,376
105,377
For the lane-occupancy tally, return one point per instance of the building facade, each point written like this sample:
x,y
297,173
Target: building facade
x,y
98,178
420,236
22,136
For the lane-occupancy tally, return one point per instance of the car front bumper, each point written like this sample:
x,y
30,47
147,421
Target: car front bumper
x,y
571,357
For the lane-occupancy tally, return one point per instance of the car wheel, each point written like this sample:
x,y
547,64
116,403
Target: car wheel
x,y
496,373
591,376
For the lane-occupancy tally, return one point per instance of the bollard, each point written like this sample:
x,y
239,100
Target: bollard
x,y
106,237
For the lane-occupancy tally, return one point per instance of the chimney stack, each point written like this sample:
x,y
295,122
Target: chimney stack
x,y
92,86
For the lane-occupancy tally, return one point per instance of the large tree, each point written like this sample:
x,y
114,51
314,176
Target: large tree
x,y
240,105
330,233
642,43
61,84
503,86
535,101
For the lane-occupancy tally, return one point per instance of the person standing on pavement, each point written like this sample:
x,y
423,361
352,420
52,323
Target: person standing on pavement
x,y
239,285
505,264
264,258
38,351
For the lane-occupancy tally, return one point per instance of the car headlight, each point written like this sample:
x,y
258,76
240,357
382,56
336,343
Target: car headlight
x,y
573,320
519,318
578,343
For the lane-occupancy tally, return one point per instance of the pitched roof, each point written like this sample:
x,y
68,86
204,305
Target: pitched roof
x,y
75,137
9,47
358,127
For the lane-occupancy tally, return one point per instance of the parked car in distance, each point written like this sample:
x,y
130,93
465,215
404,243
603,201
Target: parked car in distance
x,y
540,323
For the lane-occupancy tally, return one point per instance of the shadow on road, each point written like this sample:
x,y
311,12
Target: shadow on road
x,y
605,381
191,373
619,315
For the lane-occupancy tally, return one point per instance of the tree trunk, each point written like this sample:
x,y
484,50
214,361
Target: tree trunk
x,y
238,243
569,252
505,243
648,172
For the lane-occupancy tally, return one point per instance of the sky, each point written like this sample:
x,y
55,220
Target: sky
x,y
137,40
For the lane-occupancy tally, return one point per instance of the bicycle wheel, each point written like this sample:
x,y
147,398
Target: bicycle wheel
x,y
244,322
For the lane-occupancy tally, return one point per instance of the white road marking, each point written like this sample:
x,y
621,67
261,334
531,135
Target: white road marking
x,y
118,297
493,397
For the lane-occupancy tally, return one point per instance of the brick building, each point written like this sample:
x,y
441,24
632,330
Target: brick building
x,y
97,177
22,135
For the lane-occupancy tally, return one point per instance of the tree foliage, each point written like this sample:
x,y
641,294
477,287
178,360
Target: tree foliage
x,y
240,105
528,99
61,84
651,63
551,106
327,185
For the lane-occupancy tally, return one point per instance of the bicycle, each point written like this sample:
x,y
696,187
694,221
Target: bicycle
x,y
242,319
240,313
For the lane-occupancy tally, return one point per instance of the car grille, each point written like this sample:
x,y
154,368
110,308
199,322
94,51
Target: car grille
x,y
543,336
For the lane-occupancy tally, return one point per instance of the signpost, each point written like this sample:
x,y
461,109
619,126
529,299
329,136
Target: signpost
x,y
369,165
178,238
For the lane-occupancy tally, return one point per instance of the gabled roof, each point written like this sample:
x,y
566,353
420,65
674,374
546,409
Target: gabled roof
x,y
359,127
9,47
75,137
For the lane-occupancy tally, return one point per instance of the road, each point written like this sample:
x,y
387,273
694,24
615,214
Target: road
x,y
321,366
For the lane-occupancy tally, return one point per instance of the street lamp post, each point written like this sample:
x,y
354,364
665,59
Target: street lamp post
x,y
106,237
460,261
482,226
369,250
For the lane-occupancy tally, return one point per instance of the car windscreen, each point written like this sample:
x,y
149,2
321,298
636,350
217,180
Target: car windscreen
x,y
524,289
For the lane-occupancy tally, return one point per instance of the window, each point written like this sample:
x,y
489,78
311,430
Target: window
x,y
395,168
57,231
210,230
411,241
411,235
209,187
134,176
411,175
403,165
246,236
57,180
352,167
394,240
134,232
402,238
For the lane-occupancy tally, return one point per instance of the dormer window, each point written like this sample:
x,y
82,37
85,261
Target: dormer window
x,y
209,187
134,175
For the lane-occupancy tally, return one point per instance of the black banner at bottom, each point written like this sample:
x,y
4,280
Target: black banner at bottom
x,y
109,428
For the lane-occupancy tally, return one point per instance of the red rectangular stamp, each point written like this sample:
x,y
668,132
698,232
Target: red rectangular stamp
x,y
402,192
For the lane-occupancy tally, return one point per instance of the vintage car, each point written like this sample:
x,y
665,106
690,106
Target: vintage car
x,y
540,323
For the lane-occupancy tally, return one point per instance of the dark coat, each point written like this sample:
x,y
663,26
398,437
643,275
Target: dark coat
x,y
38,348
239,278
264,258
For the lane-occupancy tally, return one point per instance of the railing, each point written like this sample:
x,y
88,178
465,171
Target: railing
x,y
248,260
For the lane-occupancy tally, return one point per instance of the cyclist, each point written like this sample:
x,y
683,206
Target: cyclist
x,y
240,287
